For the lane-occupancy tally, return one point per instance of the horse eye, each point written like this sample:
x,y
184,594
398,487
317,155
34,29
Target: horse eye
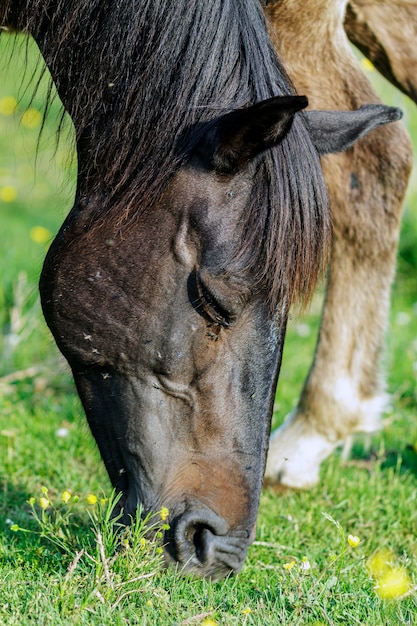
x,y
210,306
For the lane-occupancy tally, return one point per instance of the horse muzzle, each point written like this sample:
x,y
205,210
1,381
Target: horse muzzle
x,y
202,544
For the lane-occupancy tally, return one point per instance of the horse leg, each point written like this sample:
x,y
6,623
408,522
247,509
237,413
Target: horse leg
x,y
386,31
344,391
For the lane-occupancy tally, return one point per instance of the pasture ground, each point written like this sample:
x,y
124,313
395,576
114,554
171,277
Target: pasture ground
x,y
59,560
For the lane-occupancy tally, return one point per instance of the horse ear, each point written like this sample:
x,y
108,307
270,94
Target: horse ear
x,y
336,131
242,134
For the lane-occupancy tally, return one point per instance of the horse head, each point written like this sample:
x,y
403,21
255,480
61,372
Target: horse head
x,y
166,322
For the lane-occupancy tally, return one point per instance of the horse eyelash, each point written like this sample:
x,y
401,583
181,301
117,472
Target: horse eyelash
x,y
210,306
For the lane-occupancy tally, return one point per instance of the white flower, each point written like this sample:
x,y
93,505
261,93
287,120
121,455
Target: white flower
x,y
62,432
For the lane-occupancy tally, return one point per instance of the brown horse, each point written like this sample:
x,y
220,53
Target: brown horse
x,y
344,392
200,216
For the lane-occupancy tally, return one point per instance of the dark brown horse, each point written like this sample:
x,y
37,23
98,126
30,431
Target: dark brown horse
x,y
200,217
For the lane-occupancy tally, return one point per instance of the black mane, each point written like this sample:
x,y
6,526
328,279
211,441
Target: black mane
x,y
139,77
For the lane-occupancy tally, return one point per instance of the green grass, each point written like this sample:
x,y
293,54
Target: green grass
x,y
67,567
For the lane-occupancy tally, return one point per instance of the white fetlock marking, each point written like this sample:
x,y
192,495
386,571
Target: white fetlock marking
x,y
297,448
295,454
343,392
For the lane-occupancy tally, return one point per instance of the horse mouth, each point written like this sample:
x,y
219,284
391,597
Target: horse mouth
x,y
198,541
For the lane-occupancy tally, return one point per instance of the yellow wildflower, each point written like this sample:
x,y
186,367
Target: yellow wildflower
x,y
8,193
380,562
289,565
246,611
40,234
8,105
31,118
367,65
91,499
208,621
394,583
66,497
163,513
353,541
44,502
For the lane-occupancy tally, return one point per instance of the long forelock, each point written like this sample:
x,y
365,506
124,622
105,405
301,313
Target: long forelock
x,y
289,245
142,79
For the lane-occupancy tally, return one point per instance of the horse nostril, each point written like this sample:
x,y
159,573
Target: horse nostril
x,y
203,540
195,534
